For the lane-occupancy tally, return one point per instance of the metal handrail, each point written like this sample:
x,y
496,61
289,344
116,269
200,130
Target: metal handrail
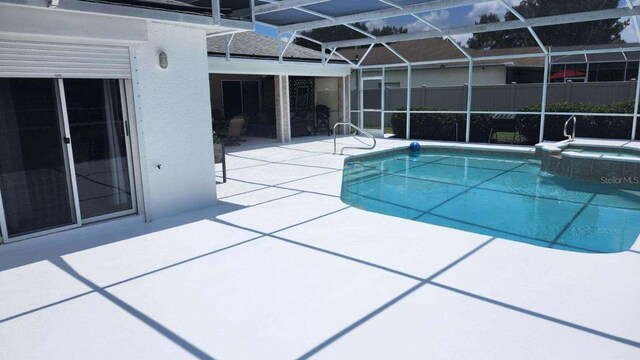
x,y
573,133
358,130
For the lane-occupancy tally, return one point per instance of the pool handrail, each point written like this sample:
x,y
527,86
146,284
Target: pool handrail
x,y
571,137
358,130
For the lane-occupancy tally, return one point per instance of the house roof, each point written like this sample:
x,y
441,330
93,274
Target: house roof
x,y
253,45
438,49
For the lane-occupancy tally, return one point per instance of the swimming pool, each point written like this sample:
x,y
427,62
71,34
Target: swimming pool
x,y
506,196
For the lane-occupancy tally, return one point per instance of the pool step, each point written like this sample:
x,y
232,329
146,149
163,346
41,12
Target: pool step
x,y
362,174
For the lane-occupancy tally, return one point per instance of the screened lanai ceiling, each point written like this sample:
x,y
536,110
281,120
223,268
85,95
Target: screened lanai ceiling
x,y
354,29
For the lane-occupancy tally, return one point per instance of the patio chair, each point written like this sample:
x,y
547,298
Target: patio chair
x,y
234,131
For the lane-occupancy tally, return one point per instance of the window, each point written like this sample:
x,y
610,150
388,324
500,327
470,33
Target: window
x,y
613,71
240,97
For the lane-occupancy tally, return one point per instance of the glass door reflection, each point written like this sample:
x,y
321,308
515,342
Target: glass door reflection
x,y
100,147
35,178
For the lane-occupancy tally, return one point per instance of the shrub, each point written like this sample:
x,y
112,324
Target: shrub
x,y
441,127
587,126
444,127
430,126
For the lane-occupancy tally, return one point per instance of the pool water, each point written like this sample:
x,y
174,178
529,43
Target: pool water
x,y
504,196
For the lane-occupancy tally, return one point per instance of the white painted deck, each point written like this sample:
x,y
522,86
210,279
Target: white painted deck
x,y
282,269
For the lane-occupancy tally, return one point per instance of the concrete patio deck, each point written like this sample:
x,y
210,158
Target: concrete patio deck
x,y
282,269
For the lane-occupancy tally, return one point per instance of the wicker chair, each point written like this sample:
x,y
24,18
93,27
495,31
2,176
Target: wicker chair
x,y
234,131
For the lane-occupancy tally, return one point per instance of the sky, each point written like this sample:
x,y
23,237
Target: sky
x,y
460,16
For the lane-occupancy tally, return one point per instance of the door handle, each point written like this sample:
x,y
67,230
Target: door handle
x,y
66,140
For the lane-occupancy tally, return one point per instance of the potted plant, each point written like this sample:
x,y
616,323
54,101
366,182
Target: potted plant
x,y
217,148
218,153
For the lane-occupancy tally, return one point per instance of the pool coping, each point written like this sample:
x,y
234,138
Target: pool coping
x,y
495,150
558,148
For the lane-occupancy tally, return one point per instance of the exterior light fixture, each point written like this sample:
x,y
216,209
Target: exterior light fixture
x,y
163,60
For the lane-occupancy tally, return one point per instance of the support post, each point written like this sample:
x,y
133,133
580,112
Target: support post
x,y
469,94
360,98
383,97
280,50
346,99
409,87
283,126
280,114
634,128
545,86
287,110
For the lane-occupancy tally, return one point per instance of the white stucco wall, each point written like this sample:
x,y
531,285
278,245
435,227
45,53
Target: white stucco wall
x,y
174,120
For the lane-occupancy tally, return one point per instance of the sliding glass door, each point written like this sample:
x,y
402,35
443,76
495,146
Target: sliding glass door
x,y
240,97
35,176
64,154
99,141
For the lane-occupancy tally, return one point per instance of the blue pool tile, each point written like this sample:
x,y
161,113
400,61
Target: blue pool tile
x,y
373,205
452,174
524,184
519,215
479,229
530,167
406,162
619,198
602,229
487,163
402,191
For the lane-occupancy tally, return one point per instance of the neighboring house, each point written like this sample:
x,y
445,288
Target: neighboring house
x,y
506,80
247,77
101,103
500,71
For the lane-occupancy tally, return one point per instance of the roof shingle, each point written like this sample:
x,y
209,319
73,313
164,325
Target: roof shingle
x,y
250,44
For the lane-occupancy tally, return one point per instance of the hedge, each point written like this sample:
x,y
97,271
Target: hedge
x,y
594,126
443,126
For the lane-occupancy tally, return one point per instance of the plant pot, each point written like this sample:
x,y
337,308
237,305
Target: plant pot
x,y
218,153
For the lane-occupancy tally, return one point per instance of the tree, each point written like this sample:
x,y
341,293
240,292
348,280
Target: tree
x,y
339,32
585,33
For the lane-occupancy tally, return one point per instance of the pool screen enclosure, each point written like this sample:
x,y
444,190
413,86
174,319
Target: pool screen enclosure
x,y
520,59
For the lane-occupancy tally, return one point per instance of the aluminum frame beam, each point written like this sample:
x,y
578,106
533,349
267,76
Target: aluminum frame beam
x,y
502,26
533,33
379,14
508,57
274,6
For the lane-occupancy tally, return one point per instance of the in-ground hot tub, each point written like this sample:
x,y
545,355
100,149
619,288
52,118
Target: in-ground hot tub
x,y
593,160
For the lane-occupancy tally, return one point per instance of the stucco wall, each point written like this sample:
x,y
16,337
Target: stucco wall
x,y
174,120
